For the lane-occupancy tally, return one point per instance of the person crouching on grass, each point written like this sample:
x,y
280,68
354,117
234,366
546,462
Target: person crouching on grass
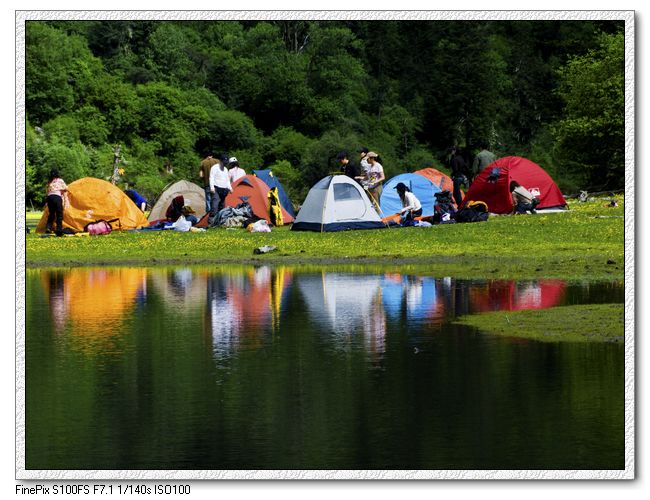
x,y
522,199
411,206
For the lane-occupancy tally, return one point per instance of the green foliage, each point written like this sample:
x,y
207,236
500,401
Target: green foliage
x,y
285,144
591,136
59,71
417,159
170,92
231,130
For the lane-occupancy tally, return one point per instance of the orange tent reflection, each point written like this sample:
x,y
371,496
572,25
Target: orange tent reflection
x,y
93,303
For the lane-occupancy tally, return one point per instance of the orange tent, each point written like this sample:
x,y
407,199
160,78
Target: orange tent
x,y
439,179
95,199
255,192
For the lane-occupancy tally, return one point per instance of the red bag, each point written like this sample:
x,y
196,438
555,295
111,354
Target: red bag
x,y
99,227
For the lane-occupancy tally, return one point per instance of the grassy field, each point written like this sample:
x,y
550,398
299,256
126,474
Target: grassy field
x,y
585,242
583,323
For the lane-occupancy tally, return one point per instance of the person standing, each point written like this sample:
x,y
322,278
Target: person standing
x,y
458,173
57,201
363,161
204,173
482,159
219,185
375,176
234,170
348,167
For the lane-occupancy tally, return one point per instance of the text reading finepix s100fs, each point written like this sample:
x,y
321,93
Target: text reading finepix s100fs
x,y
104,489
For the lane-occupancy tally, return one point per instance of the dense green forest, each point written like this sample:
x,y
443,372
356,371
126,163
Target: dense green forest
x,y
291,94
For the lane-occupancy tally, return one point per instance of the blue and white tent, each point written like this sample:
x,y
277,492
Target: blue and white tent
x,y
423,189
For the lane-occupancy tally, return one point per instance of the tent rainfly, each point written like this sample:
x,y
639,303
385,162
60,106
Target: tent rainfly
x,y
96,199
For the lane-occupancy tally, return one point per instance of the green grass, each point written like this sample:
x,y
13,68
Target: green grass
x,y
583,323
585,242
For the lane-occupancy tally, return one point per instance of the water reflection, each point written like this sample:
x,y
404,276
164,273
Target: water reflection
x,y
243,307
91,305
263,367
346,305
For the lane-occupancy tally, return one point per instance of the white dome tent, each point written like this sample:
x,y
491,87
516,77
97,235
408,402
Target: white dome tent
x,y
336,203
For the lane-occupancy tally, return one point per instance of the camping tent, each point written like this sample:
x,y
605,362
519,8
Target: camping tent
x,y
423,189
424,184
492,185
441,181
95,199
255,192
272,181
336,203
193,194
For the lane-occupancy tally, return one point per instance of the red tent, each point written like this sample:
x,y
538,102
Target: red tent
x,y
254,190
493,185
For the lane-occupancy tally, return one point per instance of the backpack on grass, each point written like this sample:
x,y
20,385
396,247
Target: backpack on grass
x,y
100,227
474,211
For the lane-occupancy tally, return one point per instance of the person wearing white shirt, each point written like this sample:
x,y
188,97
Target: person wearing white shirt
x,y
220,184
375,177
234,170
363,162
411,206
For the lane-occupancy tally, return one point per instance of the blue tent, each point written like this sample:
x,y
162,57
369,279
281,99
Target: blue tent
x,y
272,181
423,189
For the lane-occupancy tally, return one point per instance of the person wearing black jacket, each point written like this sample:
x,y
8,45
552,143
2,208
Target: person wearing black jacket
x,y
458,173
348,167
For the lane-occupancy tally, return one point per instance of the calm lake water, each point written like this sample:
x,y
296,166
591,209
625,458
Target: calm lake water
x,y
275,368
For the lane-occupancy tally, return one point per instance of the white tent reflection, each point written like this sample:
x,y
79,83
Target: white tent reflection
x,y
347,304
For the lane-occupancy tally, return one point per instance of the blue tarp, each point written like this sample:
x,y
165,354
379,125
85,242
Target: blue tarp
x,y
423,189
271,181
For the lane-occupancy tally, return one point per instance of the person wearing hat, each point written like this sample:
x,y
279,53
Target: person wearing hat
x,y
411,206
348,167
204,173
219,184
363,162
234,170
375,176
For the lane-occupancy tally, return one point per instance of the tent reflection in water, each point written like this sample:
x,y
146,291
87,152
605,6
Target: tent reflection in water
x,y
345,304
95,199
336,203
243,306
94,303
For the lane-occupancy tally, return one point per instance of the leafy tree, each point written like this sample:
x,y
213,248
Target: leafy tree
x,y
59,71
591,136
286,144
